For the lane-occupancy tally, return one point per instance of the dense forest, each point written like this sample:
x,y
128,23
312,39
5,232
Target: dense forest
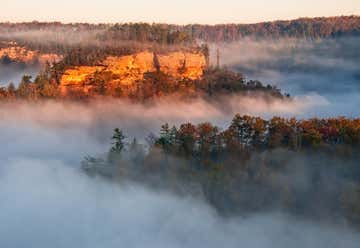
x,y
308,168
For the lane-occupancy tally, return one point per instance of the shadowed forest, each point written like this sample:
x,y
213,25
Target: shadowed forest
x,y
308,168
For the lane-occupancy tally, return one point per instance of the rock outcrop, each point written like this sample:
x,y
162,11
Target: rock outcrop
x,y
125,71
21,54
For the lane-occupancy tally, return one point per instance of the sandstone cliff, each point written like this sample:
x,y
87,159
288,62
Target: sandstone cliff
x,y
124,72
21,54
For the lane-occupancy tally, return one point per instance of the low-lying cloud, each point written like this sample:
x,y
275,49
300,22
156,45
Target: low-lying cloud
x,y
13,73
70,130
45,203
149,117
328,68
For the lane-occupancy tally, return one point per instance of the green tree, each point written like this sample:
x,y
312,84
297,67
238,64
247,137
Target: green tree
x,y
241,127
118,143
167,137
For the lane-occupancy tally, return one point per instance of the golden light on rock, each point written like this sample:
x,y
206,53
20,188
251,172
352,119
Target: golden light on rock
x,y
125,71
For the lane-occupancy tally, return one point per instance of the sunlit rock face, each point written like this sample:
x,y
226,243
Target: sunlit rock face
x,y
21,54
78,78
183,65
128,69
123,72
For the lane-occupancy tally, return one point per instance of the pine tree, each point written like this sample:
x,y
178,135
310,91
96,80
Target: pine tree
x,y
118,141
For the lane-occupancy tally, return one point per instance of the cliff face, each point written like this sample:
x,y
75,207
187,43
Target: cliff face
x,y
78,78
21,54
124,72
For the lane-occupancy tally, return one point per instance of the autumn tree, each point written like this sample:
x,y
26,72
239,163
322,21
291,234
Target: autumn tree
x,y
27,89
207,140
186,138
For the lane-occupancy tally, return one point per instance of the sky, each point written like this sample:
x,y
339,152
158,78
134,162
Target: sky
x,y
178,12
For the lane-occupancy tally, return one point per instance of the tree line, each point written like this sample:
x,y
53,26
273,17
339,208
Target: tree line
x,y
64,35
306,28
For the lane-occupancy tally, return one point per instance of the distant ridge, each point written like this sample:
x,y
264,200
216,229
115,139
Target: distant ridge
x,y
311,28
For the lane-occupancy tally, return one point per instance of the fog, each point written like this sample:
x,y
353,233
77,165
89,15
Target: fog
x,y
66,35
139,119
73,130
47,204
13,72
38,128
329,68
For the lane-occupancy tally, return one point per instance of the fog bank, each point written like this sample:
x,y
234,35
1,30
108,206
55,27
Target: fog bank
x,y
328,68
13,73
48,204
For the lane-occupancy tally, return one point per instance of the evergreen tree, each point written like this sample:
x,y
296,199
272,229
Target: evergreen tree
x,y
118,141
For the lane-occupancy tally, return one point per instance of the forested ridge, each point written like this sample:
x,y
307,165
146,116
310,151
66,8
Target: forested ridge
x,y
58,37
304,167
